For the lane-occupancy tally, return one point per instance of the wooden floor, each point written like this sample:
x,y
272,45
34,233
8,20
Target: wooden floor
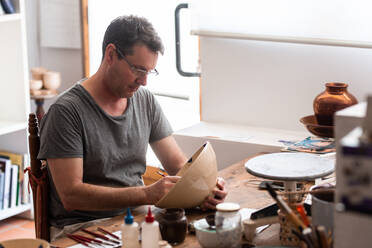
x,y
16,228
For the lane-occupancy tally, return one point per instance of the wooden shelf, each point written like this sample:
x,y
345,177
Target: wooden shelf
x,y
10,17
6,213
11,126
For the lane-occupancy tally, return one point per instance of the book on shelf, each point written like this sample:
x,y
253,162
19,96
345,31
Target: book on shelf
x,y
5,166
7,6
22,161
2,178
13,186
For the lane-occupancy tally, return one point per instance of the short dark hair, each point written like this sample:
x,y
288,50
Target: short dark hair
x,y
127,31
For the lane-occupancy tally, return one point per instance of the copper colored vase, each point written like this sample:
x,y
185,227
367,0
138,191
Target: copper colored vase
x,y
334,98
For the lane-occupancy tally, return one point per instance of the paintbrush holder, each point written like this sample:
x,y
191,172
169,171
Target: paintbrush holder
x,y
286,236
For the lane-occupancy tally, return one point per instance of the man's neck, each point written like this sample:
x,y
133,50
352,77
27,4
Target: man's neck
x,y
110,103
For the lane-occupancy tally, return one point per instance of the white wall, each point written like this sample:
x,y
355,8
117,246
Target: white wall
x,y
272,84
67,61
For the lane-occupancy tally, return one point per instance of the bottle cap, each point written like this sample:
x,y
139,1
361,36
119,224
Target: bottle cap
x,y
128,218
149,217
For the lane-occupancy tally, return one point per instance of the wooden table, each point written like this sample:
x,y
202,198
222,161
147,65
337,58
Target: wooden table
x,y
242,189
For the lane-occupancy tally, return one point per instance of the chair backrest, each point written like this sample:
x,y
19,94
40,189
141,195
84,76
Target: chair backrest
x,y
38,178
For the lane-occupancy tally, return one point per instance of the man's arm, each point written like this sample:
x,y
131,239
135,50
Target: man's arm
x,y
67,176
170,154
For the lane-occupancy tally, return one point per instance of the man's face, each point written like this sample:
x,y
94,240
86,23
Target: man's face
x,y
128,74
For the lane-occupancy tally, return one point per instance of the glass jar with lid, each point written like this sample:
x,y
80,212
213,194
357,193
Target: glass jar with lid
x,y
228,224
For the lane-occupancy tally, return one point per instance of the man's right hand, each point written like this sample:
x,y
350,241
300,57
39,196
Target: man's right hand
x,y
158,189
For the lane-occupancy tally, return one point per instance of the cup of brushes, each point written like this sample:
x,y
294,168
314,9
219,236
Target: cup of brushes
x,y
296,229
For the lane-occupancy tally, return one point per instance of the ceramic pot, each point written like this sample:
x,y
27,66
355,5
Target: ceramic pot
x,y
334,98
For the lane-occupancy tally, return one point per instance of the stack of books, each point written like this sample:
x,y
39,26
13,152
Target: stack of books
x,y
13,182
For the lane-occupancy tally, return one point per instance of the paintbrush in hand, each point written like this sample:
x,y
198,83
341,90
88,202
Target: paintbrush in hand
x,y
285,208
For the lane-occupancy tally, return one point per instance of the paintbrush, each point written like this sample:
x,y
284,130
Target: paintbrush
x,y
161,174
285,208
99,236
80,241
108,233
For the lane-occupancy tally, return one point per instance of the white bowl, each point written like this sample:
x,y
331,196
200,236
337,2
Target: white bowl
x,y
52,80
206,236
29,243
36,84
198,178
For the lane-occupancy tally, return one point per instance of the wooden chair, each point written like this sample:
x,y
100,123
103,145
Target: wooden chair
x,y
38,177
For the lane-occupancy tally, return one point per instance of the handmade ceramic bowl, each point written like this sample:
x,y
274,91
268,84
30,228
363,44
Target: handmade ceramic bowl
x,y
38,72
29,243
312,125
36,84
207,237
198,178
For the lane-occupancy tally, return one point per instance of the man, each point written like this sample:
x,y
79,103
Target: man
x,y
96,134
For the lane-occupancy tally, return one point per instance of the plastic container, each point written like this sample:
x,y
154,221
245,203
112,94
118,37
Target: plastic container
x,y
150,231
129,232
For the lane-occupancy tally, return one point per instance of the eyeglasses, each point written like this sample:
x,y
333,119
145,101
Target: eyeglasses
x,y
139,72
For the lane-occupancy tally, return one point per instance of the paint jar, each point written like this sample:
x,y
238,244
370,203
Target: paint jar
x,y
173,225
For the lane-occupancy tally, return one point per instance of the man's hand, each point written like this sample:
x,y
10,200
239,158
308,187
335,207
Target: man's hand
x,y
158,189
218,195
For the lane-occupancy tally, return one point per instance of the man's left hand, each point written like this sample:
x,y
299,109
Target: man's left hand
x,y
218,195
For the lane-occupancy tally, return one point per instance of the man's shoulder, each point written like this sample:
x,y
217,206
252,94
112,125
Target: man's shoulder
x,y
70,96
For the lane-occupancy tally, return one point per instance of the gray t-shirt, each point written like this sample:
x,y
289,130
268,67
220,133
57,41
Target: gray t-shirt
x,y
113,148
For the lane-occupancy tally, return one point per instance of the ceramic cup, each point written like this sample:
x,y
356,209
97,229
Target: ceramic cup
x,y
322,210
36,84
52,80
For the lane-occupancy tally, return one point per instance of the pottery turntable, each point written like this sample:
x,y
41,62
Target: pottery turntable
x,y
290,168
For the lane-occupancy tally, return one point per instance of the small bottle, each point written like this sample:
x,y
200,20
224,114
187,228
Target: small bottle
x,y
150,231
129,232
